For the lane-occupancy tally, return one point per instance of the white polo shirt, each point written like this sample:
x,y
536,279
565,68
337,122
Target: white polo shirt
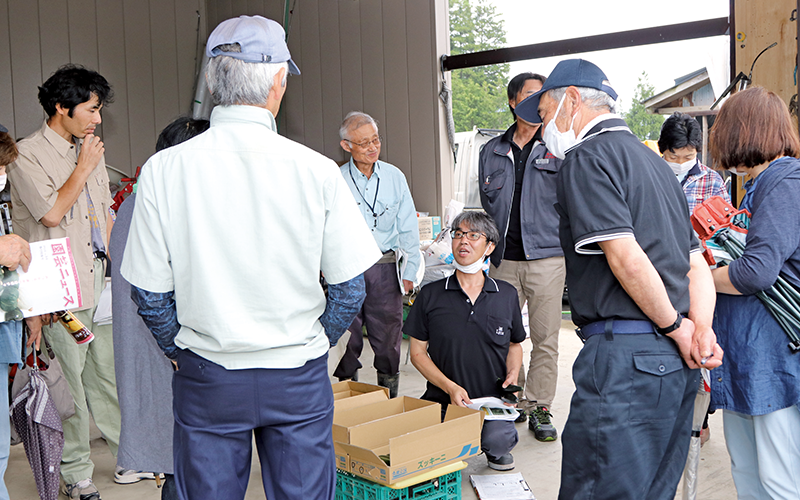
x,y
239,221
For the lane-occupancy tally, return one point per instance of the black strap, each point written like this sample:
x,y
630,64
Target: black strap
x,y
375,200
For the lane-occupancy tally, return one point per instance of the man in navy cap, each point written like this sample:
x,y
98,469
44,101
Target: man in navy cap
x,y
230,232
640,290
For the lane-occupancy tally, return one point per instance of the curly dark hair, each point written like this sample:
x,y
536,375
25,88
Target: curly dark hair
x,y
71,85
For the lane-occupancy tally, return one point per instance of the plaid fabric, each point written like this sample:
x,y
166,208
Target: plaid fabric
x,y
703,183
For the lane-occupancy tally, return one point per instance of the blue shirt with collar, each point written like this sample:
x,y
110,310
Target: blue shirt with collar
x,y
388,209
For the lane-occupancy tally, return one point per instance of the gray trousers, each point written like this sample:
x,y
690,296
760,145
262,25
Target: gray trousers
x,y
498,437
382,313
630,420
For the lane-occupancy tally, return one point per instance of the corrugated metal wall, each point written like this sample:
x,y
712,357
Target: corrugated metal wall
x,y
377,56
146,50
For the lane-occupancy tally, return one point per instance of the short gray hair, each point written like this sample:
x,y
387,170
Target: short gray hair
x,y
354,120
480,222
592,98
233,81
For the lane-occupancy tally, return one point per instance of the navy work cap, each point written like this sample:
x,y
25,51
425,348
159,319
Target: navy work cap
x,y
569,73
3,129
262,41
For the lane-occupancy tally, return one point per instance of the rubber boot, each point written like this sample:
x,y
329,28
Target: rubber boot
x,y
391,382
354,378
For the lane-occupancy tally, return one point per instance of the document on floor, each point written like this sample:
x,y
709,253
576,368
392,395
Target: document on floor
x,y
501,487
494,409
51,283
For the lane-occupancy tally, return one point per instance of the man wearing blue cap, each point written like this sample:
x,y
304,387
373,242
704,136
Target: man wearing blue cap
x,y
640,291
229,234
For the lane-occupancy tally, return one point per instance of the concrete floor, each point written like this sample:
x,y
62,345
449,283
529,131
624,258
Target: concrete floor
x,y
539,463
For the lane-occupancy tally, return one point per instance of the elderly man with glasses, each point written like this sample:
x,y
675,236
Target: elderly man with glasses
x,y
382,195
465,332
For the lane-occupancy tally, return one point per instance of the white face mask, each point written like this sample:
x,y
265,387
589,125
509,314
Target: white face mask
x,y
558,142
3,178
736,172
681,169
473,268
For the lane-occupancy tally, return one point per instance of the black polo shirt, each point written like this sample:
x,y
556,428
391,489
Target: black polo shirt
x,y
467,342
514,248
613,186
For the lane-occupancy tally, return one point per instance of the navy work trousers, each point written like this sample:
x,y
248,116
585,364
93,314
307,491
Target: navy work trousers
x,y
630,420
382,313
217,413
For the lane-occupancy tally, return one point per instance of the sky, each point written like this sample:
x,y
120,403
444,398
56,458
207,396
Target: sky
x,y
537,21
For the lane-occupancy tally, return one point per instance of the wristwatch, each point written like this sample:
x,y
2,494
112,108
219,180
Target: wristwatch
x,y
671,328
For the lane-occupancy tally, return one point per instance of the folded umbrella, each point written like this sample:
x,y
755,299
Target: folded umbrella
x,y
38,424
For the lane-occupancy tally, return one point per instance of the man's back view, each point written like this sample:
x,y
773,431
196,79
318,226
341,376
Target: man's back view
x,y
230,232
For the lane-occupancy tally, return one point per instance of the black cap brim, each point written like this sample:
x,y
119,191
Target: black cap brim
x,y
528,109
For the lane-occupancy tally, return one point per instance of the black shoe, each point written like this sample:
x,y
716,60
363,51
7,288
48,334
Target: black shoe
x,y
539,423
506,462
391,382
522,417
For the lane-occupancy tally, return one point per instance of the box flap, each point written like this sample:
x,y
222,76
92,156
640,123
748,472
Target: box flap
x,y
428,441
378,432
350,385
357,399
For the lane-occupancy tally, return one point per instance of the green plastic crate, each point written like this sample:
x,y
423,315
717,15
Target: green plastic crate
x,y
350,487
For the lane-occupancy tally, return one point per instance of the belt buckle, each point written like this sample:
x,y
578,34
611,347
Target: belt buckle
x,y
580,335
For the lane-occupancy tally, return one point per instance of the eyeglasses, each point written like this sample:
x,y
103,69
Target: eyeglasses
x,y
457,234
364,145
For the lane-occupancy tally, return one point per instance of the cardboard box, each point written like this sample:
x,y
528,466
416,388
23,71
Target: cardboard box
x,y
429,227
416,441
350,394
349,420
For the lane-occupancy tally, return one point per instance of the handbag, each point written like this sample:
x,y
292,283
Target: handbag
x,y
53,375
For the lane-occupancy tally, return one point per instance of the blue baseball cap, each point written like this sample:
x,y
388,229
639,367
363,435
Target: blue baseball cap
x,y
3,129
569,73
262,41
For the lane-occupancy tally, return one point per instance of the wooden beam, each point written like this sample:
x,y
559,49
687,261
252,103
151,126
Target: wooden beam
x,y
689,110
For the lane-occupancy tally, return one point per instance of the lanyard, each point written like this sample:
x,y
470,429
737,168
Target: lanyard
x,y
375,200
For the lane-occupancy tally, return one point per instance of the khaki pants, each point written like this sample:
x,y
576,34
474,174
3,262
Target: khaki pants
x,y
541,283
89,370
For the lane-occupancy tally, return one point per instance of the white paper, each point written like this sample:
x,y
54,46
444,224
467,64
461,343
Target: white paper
x,y
102,315
501,487
51,283
494,409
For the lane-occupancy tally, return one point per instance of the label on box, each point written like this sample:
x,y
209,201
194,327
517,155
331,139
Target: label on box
x,y
368,470
429,227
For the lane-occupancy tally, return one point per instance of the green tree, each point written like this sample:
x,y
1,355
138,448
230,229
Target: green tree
x,y
479,94
645,125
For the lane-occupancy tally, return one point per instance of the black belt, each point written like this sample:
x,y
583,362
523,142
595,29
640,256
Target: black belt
x,y
616,327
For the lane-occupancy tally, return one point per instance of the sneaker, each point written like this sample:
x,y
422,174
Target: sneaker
x,y
522,417
539,423
506,462
127,476
82,490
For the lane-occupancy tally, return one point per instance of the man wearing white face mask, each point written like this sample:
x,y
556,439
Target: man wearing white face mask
x,y
633,264
465,333
679,142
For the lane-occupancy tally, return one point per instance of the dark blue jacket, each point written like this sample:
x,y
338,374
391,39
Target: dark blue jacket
x,y
538,214
759,373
